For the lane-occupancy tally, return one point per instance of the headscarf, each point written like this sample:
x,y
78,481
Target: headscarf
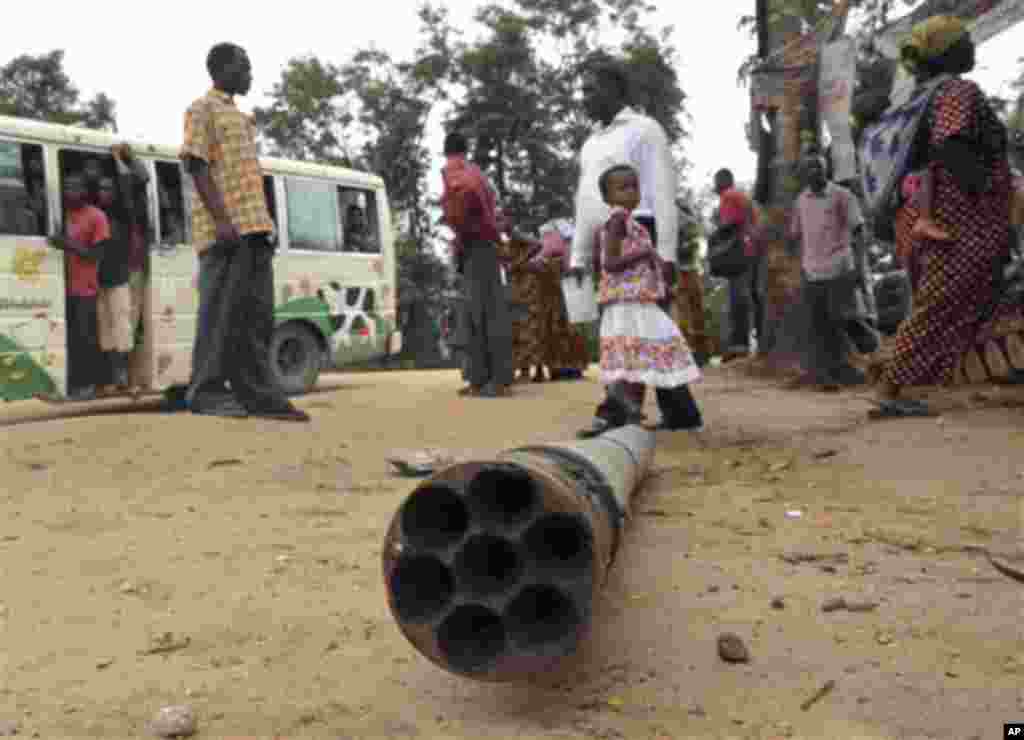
x,y
931,39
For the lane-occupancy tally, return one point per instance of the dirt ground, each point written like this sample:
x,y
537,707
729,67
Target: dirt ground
x,y
257,546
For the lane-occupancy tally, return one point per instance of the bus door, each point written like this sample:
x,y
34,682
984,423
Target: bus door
x,y
32,355
122,318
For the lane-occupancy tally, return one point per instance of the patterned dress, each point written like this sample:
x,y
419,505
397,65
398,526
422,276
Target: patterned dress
x,y
563,345
639,341
524,295
955,281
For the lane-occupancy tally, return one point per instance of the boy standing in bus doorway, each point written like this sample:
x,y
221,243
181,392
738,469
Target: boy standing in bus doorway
x,y
114,300
231,226
85,232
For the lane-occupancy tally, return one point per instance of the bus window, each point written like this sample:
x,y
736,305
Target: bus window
x,y
360,226
312,216
23,209
171,192
271,196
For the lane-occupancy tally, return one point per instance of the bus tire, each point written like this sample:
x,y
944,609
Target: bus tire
x,y
295,358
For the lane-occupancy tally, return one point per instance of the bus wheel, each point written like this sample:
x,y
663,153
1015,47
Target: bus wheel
x,y
295,358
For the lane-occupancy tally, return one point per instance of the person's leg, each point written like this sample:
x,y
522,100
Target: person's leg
x,y
678,408
739,316
120,316
252,327
497,321
208,385
477,373
83,341
105,327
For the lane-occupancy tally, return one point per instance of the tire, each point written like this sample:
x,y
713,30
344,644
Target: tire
x,y
296,358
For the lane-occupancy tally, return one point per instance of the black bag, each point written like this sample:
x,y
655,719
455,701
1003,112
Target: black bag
x,y
728,258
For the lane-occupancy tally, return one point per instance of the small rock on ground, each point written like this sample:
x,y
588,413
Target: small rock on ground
x,y
174,721
731,649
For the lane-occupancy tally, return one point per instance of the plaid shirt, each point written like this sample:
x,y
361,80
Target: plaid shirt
x,y
225,138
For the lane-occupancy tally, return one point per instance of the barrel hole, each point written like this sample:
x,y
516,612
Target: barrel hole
x,y
541,616
434,518
502,496
471,638
561,544
421,587
488,565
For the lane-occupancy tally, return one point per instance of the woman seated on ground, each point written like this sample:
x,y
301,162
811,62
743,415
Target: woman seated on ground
x,y
956,288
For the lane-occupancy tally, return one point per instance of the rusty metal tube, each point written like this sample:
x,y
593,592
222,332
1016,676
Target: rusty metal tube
x,y
492,567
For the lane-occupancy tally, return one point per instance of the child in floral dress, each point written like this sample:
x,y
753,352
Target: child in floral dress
x,y
640,344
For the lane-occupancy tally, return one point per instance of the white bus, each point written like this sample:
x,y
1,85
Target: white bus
x,y
334,275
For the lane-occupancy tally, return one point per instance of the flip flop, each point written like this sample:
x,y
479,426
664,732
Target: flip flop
x,y
900,409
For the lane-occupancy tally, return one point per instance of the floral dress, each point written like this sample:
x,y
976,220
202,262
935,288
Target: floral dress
x,y
640,343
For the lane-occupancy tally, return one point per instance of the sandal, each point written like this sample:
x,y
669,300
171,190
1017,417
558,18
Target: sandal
x,y
900,409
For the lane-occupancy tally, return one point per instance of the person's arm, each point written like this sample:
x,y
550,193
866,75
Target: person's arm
x,y
855,222
658,177
954,134
795,235
582,251
624,262
197,154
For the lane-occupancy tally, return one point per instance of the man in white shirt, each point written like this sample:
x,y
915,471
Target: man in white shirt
x,y
625,136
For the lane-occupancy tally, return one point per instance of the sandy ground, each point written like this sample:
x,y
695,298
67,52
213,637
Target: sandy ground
x,y
256,545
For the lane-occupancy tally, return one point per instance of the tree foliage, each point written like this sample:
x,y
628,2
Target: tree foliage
x,y
38,87
306,119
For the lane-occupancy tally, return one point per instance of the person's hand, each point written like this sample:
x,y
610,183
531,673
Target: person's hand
x,y
226,232
617,225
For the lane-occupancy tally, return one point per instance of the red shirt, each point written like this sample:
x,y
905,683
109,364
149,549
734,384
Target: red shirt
x,y
470,207
735,208
88,226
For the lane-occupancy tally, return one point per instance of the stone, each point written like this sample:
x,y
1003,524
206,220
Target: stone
x,y
174,721
731,648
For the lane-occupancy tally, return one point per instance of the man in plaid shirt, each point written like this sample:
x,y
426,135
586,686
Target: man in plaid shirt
x,y
231,227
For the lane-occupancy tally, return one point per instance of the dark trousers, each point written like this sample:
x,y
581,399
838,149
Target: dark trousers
x,y
85,361
746,309
235,322
834,324
489,337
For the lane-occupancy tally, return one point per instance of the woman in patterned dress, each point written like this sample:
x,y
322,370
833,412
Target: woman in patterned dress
x,y
564,348
515,254
956,282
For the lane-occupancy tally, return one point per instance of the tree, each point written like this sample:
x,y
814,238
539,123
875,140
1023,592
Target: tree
x,y
393,109
514,91
38,87
306,119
